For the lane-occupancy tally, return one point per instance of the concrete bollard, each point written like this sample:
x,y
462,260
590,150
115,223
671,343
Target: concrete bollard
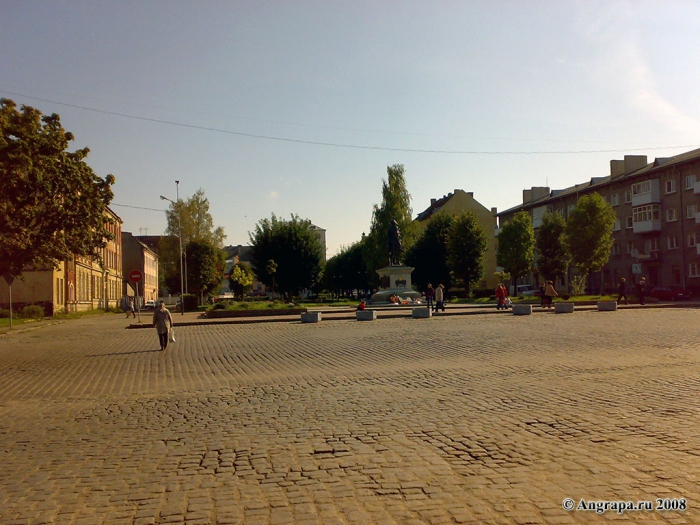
x,y
311,317
366,315
607,306
421,313
563,308
522,309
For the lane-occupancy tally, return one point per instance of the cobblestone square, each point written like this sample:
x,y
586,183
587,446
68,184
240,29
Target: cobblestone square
x,y
464,419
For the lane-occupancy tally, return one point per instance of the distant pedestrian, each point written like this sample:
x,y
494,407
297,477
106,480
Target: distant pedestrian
x,y
543,299
440,298
130,307
550,293
642,289
430,297
622,291
501,296
361,306
163,323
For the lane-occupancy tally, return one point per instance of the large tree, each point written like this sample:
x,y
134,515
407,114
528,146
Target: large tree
x,y
205,268
553,258
589,233
428,255
295,249
396,205
516,245
466,245
197,225
52,205
346,271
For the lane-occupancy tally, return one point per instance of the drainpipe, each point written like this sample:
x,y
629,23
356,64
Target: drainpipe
x,y
681,190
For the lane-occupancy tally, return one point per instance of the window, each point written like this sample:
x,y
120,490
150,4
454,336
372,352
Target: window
x,y
628,222
671,186
693,270
615,199
641,188
647,213
689,182
616,226
628,196
691,211
630,247
570,208
616,249
651,245
692,240
671,215
560,211
672,242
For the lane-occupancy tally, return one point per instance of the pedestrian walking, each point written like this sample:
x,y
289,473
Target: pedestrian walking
x,y
430,297
130,307
642,289
501,295
163,323
440,298
622,291
543,299
550,293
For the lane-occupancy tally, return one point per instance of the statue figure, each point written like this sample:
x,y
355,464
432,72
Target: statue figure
x,y
394,246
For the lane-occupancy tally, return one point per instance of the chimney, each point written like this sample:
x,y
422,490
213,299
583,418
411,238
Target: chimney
x,y
617,168
527,196
455,191
539,191
471,194
433,201
634,162
494,211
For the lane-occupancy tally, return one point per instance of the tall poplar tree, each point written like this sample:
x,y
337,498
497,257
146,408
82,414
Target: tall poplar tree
x,y
516,245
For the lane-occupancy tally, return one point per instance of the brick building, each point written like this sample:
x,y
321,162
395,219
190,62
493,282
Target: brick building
x,y
656,234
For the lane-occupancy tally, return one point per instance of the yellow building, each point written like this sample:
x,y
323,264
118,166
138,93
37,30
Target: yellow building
x,y
456,203
79,283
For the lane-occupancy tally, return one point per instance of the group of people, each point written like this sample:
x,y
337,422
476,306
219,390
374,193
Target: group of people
x,y
547,294
641,290
502,297
435,297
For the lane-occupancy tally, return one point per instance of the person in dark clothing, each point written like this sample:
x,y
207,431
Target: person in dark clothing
x,y
642,290
622,291
543,299
430,296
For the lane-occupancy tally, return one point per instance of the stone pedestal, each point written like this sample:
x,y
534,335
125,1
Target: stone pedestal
x,y
395,280
421,313
563,308
522,309
311,317
366,315
607,306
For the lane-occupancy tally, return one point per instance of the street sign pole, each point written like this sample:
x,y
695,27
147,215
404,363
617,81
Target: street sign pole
x,y
138,301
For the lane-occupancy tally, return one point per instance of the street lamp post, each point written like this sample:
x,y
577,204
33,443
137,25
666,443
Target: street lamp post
x,y
179,228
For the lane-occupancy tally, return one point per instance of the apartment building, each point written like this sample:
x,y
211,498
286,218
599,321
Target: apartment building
x,y
138,256
656,234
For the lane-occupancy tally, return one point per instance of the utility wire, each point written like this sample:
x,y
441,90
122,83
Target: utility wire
x,y
335,144
135,207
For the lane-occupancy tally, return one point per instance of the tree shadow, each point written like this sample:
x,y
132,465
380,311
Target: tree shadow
x,y
125,353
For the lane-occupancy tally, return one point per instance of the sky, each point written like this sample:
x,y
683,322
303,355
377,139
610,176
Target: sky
x,y
278,107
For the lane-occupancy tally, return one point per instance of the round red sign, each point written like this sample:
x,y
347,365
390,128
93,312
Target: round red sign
x,y
135,276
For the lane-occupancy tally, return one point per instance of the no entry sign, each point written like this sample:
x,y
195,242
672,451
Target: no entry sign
x,y
135,276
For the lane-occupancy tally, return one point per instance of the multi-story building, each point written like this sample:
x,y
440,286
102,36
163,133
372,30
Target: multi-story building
x,y
79,283
656,233
459,202
138,256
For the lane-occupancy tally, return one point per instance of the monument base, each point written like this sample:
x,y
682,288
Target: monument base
x,y
395,280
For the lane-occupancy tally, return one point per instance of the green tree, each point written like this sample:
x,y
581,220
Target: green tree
x,y
241,279
553,258
466,244
589,233
516,245
205,268
52,205
428,255
396,205
346,271
294,247
197,225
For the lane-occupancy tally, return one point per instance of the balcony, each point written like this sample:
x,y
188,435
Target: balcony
x,y
697,247
696,188
697,218
646,226
647,192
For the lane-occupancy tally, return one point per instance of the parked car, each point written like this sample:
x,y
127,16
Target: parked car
x,y
149,305
671,293
523,289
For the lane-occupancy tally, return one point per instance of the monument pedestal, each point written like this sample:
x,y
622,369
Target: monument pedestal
x,y
395,280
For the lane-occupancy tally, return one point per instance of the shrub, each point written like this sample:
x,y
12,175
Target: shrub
x,y
190,302
4,313
218,306
32,312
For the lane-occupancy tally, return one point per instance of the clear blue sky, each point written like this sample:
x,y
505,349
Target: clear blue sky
x,y
481,79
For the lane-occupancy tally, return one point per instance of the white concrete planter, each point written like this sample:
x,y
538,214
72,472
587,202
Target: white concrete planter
x,y
311,317
522,309
607,306
421,313
366,315
563,308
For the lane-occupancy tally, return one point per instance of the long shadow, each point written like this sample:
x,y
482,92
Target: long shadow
x,y
125,353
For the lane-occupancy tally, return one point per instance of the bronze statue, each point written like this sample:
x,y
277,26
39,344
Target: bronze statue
x,y
394,246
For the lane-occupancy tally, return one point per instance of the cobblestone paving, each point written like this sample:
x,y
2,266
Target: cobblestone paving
x,y
474,419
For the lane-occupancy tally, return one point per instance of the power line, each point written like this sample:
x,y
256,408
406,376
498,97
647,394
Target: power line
x,y
135,207
335,144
